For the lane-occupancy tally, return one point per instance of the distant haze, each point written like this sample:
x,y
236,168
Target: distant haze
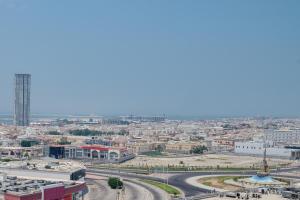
x,y
183,58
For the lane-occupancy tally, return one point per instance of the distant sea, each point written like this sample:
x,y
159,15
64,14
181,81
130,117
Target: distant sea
x,y
8,119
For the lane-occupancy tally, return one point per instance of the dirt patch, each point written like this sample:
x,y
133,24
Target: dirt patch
x,y
219,182
209,160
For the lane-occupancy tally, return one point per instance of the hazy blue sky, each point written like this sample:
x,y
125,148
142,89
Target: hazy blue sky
x,y
188,57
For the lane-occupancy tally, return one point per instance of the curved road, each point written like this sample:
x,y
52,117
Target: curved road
x,y
178,180
134,190
189,190
98,189
154,192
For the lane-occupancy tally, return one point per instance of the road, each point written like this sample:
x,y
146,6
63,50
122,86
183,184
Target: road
x,y
134,190
147,191
178,180
98,189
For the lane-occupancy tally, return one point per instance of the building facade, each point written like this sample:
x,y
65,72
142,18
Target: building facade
x,y
291,136
21,152
22,99
257,148
141,147
15,188
181,147
90,152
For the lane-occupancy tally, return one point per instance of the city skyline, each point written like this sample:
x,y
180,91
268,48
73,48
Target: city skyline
x,y
177,59
149,100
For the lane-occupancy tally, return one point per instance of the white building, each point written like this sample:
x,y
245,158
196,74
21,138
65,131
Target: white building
x,y
290,136
257,148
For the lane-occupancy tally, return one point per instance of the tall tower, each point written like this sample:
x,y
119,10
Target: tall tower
x,y
22,99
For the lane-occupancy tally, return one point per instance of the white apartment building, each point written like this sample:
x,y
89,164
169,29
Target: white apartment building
x,y
290,136
257,148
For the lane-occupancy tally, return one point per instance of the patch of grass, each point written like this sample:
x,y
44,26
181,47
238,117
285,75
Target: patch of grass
x,y
7,159
151,169
222,179
220,182
283,180
207,183
167,188
237,178
217,158
284,164
153,153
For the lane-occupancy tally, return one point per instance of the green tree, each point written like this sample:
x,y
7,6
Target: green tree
x,y
64,141
28,143
88,132
54,133
26,154
199,149
115,183
159,148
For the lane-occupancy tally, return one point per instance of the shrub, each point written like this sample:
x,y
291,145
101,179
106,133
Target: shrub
x,y
115,183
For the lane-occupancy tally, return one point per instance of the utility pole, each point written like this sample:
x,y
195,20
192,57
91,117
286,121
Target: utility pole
x,y
167,175
121,194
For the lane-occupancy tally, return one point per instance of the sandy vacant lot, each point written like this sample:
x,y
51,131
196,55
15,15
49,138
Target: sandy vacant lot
x,y
206,161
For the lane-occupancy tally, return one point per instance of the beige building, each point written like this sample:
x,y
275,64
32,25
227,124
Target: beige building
x,y
138,148
181,147
19,152
225,141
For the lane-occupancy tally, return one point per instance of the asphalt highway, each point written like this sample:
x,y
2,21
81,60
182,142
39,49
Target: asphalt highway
x,y
99,189
134,190
156,193
178,180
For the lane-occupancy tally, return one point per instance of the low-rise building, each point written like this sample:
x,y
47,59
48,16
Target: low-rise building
x,y
20,152
16,188
99,141
90,152
141,147
257,148
224,141
181,147
284,136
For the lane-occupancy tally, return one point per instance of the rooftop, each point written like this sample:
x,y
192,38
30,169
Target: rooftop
x,y
21,186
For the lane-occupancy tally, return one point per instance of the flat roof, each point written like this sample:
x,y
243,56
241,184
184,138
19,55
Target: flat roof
x,y
21,186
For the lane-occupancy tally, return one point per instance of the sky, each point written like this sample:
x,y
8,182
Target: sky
x,y
153,57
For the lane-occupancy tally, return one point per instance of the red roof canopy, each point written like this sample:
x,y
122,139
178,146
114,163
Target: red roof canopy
x,y
100,148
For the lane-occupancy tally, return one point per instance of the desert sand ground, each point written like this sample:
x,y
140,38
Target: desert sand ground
x,y
206,161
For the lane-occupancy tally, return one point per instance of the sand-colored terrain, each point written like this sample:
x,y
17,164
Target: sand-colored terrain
x,y
206,161
218,182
